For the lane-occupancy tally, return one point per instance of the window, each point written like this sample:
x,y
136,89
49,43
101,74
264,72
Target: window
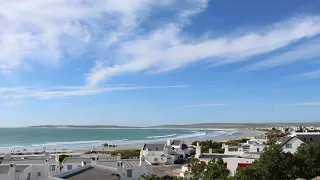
x,y
155,159
53,168
311,139
289,146
129,173
258,149
29,176
69,167
39,173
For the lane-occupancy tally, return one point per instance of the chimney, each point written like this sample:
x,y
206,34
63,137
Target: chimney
x,y
120,168
210,150
168,142
83,163
143,161
94,159
12,172
46,172
198,151
57,158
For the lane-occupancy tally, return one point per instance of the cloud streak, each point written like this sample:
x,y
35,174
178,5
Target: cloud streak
x,y
32,32
167,49
207,105
65,92
303,52
308,75
303,104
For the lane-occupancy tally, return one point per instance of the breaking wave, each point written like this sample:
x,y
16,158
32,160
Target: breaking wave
x,y
169,135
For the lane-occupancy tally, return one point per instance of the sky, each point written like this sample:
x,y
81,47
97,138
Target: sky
x,y
143,62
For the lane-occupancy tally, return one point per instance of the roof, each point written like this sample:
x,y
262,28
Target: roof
x,y
176,142
260,136
285,140
309,137
90,172
126,163
173,153
154,147
28,161
184,146
215,155
4,169
75,160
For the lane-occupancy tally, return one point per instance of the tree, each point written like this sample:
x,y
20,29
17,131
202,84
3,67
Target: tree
x,y
155,177
196,169
62,157
215,169
307,160
272,165
248,173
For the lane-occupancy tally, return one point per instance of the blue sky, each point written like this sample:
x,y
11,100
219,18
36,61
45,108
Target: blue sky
x,y
144,62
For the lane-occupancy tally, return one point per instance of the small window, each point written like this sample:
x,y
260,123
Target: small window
x,y
39,173
69,167
289,146
129,173
53,168
258,149
305,139
311,139
156,148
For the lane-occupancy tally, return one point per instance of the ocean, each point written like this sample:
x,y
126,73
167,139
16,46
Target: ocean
x,y
50,139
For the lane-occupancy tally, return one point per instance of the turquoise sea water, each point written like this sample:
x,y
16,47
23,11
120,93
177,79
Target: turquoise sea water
x,y
17,139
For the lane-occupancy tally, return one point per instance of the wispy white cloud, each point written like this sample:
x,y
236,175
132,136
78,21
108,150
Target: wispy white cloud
x,y
167,49
65,92
304,52
43,32
32,33
206,105
303,104
13,103
308,75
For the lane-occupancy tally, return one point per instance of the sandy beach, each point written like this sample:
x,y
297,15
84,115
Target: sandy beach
x,y
248,134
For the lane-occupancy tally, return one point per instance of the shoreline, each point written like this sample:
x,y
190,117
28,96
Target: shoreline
x,y
246,133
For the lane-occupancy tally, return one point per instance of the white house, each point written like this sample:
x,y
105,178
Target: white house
x,y
123,170
248,147
290,144
260,139
164,153
233,161
71,163
28,170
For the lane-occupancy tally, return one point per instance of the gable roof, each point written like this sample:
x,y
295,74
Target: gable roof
x,y
285,140
154,147
176,142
